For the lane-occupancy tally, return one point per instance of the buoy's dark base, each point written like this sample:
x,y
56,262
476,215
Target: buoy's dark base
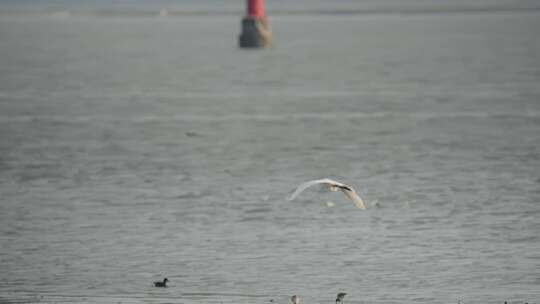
x,y
255,33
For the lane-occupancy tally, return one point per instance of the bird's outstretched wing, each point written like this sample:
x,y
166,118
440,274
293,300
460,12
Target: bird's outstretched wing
x,y
306,185
350,193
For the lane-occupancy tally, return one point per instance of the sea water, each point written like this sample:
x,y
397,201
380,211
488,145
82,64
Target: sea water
x,y
135,146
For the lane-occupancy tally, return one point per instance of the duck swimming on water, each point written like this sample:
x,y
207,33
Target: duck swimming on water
x,y
161,284
340,296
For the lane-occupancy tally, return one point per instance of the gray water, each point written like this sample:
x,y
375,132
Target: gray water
x,y
134,148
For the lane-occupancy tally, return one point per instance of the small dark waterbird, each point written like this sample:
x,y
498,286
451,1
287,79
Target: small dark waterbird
x,y
161,284
340,296
295,299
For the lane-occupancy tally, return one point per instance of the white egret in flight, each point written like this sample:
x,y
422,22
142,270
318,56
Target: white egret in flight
x,y
332,185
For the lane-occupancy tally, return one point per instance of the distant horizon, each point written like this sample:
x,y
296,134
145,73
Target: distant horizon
x,y
273,7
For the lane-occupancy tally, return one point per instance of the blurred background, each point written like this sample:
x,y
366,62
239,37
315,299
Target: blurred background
x,y
138,142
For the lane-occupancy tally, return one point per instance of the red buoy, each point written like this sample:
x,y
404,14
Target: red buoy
x,y
255,27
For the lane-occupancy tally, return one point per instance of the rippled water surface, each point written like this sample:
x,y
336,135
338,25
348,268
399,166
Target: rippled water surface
x,y
134,148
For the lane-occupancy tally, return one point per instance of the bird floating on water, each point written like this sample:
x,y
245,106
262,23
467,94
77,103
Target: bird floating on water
x,y
161,284
340,296
332,185
295,299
